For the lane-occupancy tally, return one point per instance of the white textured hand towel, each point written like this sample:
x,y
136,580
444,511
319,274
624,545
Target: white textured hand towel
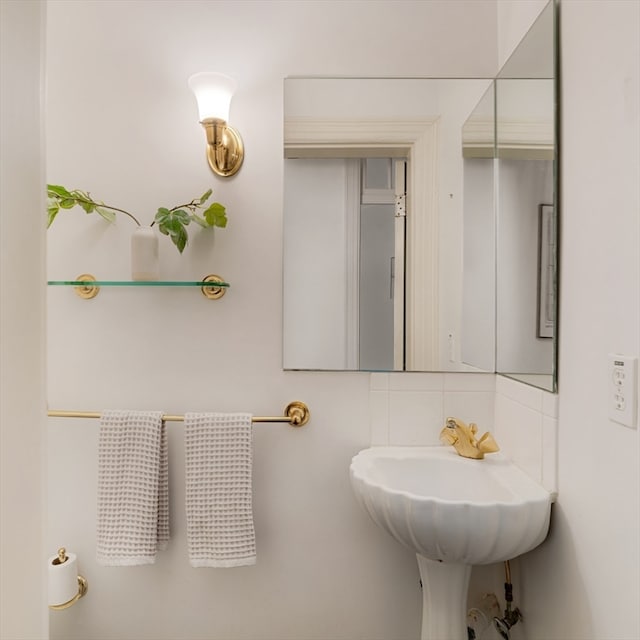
x,y
133,487
218,461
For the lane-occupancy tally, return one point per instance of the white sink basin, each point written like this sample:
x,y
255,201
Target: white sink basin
x,y
453,512
450,508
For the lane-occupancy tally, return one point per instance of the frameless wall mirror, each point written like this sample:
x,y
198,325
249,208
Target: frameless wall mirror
x,y
526,260
390,227
373,278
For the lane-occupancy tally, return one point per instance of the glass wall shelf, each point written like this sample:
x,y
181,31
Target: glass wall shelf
x,y
86,286
136,283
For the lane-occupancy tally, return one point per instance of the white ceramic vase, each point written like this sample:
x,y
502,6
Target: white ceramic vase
x,y
145,263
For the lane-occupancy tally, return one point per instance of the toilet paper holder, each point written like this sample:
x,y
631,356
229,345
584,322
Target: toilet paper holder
x,y
83,585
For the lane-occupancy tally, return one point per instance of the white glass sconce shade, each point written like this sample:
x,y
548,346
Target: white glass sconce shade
x,y
213,92
225,150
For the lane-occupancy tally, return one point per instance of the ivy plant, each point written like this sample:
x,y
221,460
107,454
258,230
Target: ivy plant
x,y
171,222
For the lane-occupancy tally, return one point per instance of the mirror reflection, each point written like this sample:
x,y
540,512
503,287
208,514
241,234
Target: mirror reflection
x,y
526,257
373,231
419,220
479,235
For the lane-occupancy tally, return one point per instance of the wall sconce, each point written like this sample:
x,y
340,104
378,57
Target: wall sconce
x,y
213,91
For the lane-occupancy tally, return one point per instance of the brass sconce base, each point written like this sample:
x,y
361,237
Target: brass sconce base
x,y
225,150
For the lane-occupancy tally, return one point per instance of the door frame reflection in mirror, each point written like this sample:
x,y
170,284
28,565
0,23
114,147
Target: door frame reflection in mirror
x,y
416,141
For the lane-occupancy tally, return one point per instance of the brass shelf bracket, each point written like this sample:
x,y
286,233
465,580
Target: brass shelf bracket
x,y
86,291
212,292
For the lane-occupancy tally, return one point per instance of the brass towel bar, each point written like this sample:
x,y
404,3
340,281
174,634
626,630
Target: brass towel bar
x,y
296,414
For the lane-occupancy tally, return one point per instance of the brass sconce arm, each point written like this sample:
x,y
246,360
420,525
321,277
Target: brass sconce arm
x,y
225,150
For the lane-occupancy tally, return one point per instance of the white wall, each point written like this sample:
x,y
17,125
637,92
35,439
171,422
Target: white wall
x,y
324,570
583,583
22,313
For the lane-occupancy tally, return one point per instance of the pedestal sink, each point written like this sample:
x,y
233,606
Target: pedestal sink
x,y
453,512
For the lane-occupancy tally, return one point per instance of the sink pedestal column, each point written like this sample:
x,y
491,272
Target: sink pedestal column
x,y
444,599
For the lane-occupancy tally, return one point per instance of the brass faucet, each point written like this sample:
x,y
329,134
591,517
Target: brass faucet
x,y
463,439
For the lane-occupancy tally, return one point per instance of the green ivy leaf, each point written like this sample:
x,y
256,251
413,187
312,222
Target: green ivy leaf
x,y
161,216
52,211
182,216
173,224
67,203
88,206
216,215
205,196
178,235
107,214
56,190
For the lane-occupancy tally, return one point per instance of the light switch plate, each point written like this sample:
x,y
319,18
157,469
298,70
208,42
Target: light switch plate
x,y
623,389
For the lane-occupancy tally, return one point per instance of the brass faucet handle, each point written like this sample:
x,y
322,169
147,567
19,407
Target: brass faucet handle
x,y
487,444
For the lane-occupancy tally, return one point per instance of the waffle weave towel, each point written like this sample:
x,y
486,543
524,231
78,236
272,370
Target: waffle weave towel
x,y
133,487
218,461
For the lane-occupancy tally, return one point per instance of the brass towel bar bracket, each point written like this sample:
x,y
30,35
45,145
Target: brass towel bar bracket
x,y
296,413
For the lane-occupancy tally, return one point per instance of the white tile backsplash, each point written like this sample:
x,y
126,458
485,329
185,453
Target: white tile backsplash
x,y
519,434
523,393
550,454
526,429
471,406
414,381
470,382
379,416
410,408
379,382
415,417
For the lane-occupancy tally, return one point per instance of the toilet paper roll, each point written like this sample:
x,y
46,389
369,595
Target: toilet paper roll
x,y
63,579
